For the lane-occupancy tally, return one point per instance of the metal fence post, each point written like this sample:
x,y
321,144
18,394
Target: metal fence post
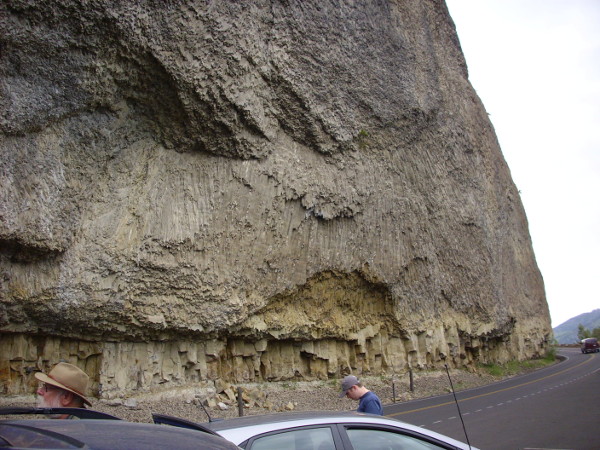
x,y
240,402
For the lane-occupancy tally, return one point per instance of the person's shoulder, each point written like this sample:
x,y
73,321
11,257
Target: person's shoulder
x,y
370,398
372,395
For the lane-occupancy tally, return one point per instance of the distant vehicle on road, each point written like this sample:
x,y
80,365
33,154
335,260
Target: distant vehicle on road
x,y
590,345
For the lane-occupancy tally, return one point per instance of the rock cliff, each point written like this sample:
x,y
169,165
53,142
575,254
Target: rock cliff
x,y
251,191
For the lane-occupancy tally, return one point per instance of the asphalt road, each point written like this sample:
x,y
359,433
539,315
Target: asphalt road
x,y
556,407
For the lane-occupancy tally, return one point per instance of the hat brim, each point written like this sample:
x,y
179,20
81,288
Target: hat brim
x,y
46,379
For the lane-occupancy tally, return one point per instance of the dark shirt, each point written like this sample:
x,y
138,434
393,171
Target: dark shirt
x,y
370,403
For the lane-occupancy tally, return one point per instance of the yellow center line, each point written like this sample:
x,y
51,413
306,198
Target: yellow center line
x,y
494,392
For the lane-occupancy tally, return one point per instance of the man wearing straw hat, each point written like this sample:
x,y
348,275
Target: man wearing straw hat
x,y
63,387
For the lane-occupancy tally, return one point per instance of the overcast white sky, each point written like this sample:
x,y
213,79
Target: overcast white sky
x,y
536,66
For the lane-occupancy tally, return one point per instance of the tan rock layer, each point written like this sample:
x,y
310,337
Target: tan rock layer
x,y
120,369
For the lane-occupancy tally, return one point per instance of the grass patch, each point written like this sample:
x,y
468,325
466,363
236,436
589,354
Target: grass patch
x,y
512,368
330,383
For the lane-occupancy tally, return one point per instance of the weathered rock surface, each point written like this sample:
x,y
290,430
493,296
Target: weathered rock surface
x,y
267,190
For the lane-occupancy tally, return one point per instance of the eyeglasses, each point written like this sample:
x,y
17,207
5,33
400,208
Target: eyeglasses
x,y
48,387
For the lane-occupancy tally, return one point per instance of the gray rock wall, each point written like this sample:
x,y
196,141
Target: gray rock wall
x,y
251,191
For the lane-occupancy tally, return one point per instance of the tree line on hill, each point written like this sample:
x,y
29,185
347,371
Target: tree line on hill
x,y
584,333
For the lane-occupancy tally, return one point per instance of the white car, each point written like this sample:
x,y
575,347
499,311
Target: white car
x,y
328,431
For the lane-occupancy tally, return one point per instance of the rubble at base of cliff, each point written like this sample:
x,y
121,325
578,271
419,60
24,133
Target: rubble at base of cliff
x,y
269,398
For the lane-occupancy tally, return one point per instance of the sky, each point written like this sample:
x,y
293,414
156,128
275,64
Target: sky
x,y
535,64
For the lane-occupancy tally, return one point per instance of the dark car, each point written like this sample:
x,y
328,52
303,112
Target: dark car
x,y
590,345
328,431
103,432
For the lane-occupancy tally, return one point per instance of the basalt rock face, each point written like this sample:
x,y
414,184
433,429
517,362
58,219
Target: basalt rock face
x,y
251,191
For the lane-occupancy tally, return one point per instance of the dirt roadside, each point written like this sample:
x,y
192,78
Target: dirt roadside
x,y
283,396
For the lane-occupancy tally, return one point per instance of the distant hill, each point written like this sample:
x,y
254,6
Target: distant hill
x,y
566,333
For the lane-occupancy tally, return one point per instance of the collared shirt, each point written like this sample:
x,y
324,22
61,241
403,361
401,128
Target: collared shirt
x,y
370,403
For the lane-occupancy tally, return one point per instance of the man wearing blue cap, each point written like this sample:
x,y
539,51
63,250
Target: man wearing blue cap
x,y
368,402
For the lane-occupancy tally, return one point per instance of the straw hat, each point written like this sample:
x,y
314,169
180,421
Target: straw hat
x,y
68,377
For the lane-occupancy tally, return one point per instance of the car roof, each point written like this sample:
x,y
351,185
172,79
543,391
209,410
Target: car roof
x,y
81,413
104,434
284,418
240,429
